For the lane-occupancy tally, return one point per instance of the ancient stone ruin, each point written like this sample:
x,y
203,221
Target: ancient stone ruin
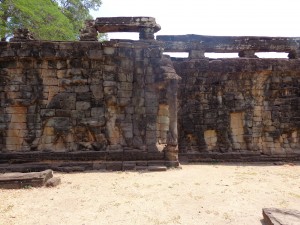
x,y
123,104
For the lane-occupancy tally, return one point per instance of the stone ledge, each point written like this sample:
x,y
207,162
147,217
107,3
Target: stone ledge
x,y
228,43
125,24
79,166
236,157
22,180
128,155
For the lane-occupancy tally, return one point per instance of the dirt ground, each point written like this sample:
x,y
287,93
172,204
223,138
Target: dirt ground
x,y
213,194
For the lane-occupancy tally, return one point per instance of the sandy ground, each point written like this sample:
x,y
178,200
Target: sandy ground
x,y
196,194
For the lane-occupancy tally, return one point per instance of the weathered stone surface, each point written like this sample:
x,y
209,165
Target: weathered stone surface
x,y
240,100
53,182
23,180
117,100
274,216
157,168
146,26
89,32
22,35
244,45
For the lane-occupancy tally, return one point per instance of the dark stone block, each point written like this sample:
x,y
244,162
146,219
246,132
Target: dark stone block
x,y
114,166
141,168
129,165
115,156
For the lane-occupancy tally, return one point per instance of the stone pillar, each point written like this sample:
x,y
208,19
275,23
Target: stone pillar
x,y
196,54
146,33
171,149
247,54
89,32
294,54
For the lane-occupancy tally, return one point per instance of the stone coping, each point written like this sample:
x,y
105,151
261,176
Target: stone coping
x,y
125,24
227,44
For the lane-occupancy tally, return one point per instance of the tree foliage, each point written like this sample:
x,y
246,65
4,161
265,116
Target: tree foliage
x,y
46,19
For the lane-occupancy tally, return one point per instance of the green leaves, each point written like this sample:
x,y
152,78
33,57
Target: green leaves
x,y
46,19
43,18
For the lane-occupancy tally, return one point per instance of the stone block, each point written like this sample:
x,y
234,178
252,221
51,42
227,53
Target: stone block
x,y
122,77
12,147
81,89
129,77
114,166
109,50
125,86
109,76
83,106
13,141
12,133
53,182
16,110
274,216
210,137
141,168
96,54
109,68
111,90
49,131
129,165
109,83
99,166
97,112
124,101
18,126
47,112
97,91
157,168
125,94
18,118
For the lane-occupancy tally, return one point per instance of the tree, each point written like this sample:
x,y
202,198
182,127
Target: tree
x,y
46,19
77,11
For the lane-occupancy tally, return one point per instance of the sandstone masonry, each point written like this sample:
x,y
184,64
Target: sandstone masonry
x,y
113,105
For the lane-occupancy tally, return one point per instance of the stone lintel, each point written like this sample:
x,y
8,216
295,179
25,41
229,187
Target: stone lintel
x,y
227,44
146,26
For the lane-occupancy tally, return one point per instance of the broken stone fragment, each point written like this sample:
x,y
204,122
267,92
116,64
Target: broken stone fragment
x,y
89,32
21,35
53,182
274,216
24,180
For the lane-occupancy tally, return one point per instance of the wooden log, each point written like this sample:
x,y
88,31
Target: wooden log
x,y
23,180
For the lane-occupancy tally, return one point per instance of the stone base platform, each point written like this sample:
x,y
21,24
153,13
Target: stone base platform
x,y
82,161
246,156
80,166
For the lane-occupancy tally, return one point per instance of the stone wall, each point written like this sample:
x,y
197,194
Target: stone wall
x,y
110,100
113,105
239,105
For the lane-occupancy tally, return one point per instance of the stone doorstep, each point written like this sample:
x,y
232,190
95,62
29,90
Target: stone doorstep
x,y
23,180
